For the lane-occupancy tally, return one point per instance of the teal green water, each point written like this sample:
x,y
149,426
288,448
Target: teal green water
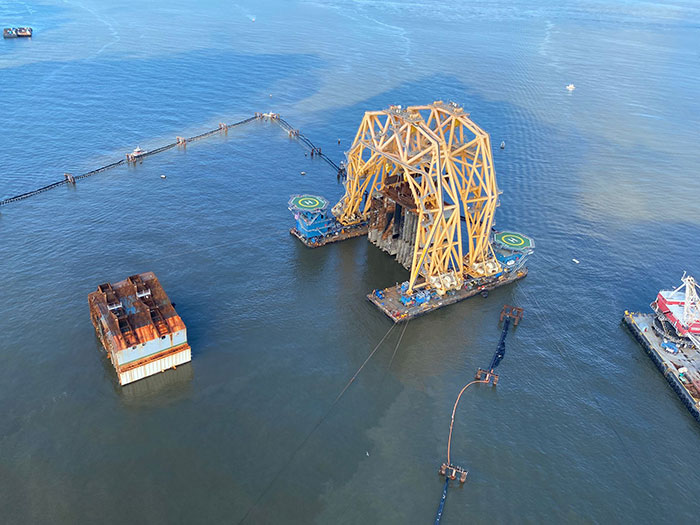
x,y
581,429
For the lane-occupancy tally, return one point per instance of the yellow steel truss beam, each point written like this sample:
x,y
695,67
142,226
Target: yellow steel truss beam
x,y
447,163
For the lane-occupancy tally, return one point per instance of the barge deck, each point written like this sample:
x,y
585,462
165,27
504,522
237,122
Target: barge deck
x,y
342,235
681,369
389,299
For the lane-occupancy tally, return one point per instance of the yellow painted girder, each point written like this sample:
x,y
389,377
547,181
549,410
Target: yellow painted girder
x,y
447,161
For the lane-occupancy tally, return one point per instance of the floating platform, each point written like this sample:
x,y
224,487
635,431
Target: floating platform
x,y
680,366
315,225
389,299
138,327
342,235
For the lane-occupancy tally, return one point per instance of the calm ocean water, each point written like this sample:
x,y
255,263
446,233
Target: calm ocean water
x,y
581,429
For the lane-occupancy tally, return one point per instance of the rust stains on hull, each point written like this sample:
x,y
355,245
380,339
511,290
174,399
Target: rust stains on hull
x,y
138,327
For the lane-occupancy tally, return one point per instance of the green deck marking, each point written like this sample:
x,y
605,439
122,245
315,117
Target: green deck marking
x,y
308,202
513,240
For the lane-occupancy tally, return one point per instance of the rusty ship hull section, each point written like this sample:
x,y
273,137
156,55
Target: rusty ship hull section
x,y
138,327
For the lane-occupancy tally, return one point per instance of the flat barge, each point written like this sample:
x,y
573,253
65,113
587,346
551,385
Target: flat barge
x,y
670,338
316,226
389,300
341,235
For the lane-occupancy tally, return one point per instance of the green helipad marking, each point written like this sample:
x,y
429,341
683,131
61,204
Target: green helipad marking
x,y
513,240
308,202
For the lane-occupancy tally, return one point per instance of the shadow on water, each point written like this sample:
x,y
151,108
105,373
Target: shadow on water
x,y
166,388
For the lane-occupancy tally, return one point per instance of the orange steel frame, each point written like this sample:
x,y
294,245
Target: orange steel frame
x,y
447,162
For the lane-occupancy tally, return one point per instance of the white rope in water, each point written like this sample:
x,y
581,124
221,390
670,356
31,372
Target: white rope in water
x,y
318,424
396,348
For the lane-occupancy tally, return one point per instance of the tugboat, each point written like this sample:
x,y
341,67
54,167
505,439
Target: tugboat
x,y
15,32
671,337
135,155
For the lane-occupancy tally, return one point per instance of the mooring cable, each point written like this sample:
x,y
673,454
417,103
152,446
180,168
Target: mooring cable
x,y
397,346
316,426
363,364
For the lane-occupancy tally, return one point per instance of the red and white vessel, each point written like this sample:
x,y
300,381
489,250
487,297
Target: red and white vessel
x,y
679,309
135,155
671,338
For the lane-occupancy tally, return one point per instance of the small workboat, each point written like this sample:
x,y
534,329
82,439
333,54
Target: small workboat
x,y
136,154
570,87
24,31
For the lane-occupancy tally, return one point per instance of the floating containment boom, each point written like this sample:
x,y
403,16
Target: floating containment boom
x,y
138,327
507,314
421,180
448,469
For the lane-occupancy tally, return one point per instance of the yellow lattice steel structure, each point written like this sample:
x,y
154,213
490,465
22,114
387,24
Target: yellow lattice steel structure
x,y
446,161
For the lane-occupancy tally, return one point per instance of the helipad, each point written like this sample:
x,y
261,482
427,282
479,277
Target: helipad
x,y
307,203
513,241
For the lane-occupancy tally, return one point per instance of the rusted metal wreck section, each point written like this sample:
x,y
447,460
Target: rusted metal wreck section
x,y
138,327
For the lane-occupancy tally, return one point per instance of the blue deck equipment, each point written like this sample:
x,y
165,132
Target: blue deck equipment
x,y
512,249
669,347
313,221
